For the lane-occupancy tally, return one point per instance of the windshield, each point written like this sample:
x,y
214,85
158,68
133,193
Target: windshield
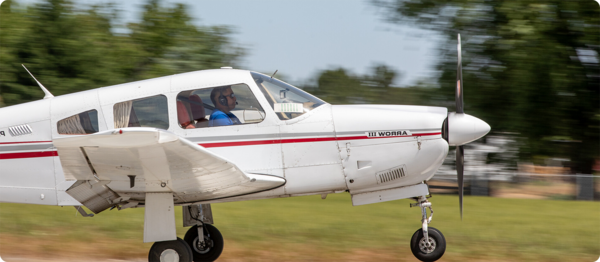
x,y
286,100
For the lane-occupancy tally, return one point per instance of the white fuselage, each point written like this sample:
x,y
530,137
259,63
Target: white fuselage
x,y
329,149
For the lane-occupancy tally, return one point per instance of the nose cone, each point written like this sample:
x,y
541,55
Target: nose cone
x,y
463,129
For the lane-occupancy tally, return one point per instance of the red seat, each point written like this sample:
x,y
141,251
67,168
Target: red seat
x,y
183,116
198,112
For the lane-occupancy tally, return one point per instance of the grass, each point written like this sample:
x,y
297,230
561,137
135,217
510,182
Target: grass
x,y
311,229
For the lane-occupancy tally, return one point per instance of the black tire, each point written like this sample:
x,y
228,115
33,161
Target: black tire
x,y
438,240
179,246
208,254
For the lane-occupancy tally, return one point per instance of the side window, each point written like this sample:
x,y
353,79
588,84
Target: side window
x,y
80,124
143,112
218,106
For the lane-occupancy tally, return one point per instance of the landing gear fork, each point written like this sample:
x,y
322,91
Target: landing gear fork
x,y
423,203
427,244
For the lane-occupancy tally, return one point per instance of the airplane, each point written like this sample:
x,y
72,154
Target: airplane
x,y
223,135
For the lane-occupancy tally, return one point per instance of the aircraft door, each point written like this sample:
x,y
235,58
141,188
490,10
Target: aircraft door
x,y
230,121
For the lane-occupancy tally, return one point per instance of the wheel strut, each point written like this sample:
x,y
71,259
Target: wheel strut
x,y
424,204
427,244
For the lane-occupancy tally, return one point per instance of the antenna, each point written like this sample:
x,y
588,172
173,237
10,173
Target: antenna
x,y
274,74
48,94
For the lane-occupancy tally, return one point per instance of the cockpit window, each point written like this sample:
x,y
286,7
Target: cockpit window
x,y
80,124
218,106
286,100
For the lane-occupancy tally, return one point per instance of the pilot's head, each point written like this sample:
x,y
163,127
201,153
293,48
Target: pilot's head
x,y
223,98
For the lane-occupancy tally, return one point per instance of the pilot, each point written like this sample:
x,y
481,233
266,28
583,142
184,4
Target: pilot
x,y
224,100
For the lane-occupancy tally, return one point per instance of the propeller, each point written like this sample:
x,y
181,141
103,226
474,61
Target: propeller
x,y
460,165
459,82
459,129
460,152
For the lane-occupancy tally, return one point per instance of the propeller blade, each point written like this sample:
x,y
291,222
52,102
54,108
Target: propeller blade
x,y
460,163
460,152
459,81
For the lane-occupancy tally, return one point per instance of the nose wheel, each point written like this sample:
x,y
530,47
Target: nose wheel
x,y
427,244
430,249
206,248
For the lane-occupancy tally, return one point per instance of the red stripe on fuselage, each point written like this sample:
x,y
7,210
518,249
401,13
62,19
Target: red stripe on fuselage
x,y
240,143
301,140
268,142
25,142
219,144
28,155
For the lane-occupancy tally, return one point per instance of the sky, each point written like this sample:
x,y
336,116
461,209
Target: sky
x,y
301,38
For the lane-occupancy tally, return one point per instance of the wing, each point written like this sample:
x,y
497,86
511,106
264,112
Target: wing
x,y
120,166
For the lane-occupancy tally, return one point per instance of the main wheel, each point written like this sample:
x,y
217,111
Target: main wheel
x,y
170,251
208,250
431,250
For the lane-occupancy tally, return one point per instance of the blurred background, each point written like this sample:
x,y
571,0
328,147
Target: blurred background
x,y
530,69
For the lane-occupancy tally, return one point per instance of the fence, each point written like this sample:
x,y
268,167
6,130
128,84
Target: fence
x,y
522,185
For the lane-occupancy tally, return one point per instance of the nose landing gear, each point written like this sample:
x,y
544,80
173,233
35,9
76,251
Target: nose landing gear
x,y
206,242
427,244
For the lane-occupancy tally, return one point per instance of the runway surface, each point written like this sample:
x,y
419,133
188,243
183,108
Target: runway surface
x,y
18,259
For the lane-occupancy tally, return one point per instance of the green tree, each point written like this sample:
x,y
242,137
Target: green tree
x,y
340,86
382,77
71,50
529,67
9,38
170,43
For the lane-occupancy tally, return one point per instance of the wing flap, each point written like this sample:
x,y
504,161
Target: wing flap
x,y
160,161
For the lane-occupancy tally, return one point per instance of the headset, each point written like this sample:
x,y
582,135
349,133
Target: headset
x,y
223,99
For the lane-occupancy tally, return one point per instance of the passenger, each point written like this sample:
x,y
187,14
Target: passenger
x,y
224,100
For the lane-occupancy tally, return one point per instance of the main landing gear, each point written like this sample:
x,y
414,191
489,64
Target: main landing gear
x,y
202,243
170,251
427,244
191,248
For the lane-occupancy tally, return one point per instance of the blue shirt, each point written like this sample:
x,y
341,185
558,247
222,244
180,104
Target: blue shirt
x,y
220,118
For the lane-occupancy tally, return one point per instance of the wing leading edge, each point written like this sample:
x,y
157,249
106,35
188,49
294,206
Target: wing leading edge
x,y
117,167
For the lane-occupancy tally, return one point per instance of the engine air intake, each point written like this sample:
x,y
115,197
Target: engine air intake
x,y
390,174
20,130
